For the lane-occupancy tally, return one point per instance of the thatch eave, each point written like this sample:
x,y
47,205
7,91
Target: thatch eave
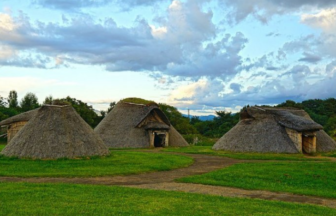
x,y
26,116
159,112
156,126
295,122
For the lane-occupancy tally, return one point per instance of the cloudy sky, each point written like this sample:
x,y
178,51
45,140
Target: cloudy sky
x,y
202,55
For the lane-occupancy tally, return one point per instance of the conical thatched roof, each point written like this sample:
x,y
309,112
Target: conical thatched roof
x,y
175,138
26,116
263,130
55,132
124,126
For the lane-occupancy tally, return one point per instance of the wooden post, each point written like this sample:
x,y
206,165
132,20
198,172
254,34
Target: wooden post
x,y
151,138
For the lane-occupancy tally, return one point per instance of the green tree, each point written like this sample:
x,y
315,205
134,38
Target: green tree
x,y
2,102
48,100
112,105
29,102
177,120
84,110
6,112
330,127
194,120
290,103
13,99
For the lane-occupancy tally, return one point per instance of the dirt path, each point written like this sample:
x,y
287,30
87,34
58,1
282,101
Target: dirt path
x,y
165,181
202,164
236,192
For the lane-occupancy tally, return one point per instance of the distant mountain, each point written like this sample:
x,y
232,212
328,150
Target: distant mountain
x,y
206,118
202,118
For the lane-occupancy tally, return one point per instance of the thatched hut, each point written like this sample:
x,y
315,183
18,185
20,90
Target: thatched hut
x,y
15,123
278,130
131,125
55,132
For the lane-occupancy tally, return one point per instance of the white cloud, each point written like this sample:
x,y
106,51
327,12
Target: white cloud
x,y
175,45
6,22
263,10
324,19
158,32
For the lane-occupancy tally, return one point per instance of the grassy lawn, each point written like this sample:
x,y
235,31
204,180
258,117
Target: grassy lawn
x,y
1,146
308,178
246,156
67,199
330,154
119,163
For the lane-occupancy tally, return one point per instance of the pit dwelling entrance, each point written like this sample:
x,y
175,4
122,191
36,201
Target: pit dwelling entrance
x,y
308,143
305,142
159,139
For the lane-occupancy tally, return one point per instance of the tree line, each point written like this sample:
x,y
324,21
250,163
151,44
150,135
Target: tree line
x,y
321,111
10,106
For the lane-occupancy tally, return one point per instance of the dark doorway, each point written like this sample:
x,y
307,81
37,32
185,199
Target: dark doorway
x,y
159,140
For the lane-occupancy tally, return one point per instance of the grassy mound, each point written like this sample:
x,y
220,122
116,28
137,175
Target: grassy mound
x,y
137,101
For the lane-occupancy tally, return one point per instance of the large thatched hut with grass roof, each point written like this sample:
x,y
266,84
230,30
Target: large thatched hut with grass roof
x,y
15,123
137,123
277,130
55,132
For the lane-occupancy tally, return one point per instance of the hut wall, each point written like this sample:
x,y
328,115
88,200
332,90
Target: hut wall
x,y
14,128
296,137
309,142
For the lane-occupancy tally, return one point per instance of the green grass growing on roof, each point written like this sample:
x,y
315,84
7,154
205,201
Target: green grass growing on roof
x,y
137,101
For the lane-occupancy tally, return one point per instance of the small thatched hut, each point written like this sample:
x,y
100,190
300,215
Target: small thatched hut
x,y
55,132
15,123
131,125
275,130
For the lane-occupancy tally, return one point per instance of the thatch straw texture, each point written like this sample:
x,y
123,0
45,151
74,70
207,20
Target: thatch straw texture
x,y
296,122
324,143
122,127
175,138
256,135
55,132
26,116
263,130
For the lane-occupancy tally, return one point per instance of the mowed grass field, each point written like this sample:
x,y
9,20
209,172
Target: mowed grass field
x,y
243,156
292,173
307,178
118,163
69,199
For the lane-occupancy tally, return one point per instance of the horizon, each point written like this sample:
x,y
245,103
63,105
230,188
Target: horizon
x,y
197,55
